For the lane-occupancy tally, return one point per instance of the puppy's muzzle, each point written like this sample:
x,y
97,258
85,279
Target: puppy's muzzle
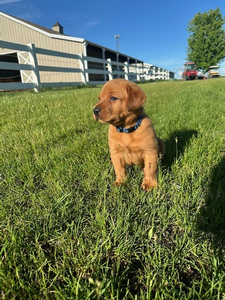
x,y
96,111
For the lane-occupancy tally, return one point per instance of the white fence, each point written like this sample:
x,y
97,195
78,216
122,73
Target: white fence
x,y
30,68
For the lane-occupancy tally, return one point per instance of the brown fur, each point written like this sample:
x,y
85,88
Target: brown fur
x,y
120,104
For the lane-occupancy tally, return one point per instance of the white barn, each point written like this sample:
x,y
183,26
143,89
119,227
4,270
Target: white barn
x,y
16,30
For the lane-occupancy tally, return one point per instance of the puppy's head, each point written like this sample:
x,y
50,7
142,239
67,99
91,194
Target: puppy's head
x,y
118,100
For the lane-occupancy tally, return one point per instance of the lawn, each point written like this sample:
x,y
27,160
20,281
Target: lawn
x,y
67,233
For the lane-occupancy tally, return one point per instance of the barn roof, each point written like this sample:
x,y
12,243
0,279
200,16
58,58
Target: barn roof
x,y
54,34
42,29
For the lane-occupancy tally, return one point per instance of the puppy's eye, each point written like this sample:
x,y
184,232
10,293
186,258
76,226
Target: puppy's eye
x,y
112,98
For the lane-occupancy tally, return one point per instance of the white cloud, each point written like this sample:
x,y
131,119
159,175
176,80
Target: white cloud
x,y
88,25
92,24
179,72
222,71
8,1
30,15
82,27
168,62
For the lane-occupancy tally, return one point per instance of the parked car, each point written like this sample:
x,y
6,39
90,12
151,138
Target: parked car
x,y
201,75
213,71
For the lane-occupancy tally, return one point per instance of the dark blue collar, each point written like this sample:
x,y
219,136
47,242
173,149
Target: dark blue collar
x,y
131,129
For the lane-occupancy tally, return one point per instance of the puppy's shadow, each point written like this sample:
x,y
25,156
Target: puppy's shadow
x,y
211,216
176,144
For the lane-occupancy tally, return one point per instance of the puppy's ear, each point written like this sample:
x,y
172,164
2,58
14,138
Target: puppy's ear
x,y
136,97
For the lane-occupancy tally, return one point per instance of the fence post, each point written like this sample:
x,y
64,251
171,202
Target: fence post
x,y
137,70
110,68
34,62
153,72
104,65
82,66
126,70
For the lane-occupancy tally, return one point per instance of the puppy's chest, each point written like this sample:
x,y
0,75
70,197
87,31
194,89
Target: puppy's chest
x,y
127,147
129,150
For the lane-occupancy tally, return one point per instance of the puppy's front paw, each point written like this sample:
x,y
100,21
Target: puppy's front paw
x,y
118,183
149,184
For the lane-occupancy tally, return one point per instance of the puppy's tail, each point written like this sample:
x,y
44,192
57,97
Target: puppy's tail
x,y
161,148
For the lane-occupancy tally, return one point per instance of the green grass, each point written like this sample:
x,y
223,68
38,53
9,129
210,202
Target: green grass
x,y
66,233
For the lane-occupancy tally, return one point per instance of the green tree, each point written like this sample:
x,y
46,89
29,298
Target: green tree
x,y
206,41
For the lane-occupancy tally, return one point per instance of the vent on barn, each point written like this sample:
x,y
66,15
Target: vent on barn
x,y
57,27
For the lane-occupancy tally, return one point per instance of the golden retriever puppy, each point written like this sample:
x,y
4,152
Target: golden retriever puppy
x,y
132,139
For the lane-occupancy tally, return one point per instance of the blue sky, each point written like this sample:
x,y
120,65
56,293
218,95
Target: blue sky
x,y
152,31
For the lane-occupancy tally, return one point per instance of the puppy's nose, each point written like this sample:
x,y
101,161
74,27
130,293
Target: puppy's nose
x,y
96,111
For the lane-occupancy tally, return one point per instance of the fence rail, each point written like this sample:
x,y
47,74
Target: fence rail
x,y
109,69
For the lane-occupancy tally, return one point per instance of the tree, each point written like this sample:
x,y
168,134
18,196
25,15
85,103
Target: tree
x,y
206,41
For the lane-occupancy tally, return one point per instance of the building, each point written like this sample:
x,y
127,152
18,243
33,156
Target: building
x,y
151,72
20,31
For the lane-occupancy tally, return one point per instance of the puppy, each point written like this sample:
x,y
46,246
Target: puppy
x,y
132,139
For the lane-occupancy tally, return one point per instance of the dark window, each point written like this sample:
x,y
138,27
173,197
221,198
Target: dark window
x,y
9,75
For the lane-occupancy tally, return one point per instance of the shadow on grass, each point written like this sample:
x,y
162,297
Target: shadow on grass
x,y
176,144
211,217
